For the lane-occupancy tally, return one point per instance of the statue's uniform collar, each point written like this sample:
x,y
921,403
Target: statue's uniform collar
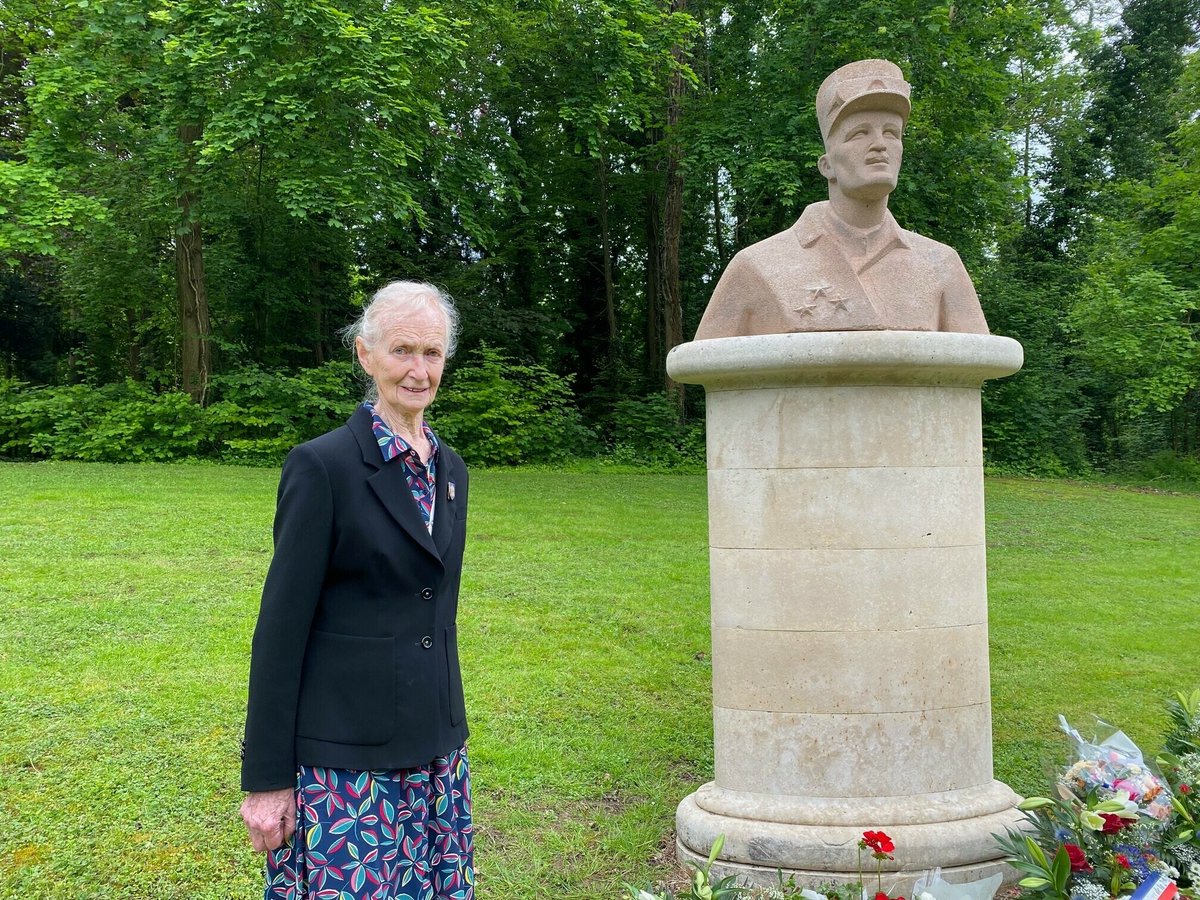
x,y
865,247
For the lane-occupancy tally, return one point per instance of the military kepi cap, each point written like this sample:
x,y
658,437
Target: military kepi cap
x,y
866,84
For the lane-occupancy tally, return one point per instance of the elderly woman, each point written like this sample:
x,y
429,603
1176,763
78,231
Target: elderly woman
x,y
354,756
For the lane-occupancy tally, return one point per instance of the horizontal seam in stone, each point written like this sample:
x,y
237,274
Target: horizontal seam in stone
x,y
891,712
853,550
872,631
843,468
747,386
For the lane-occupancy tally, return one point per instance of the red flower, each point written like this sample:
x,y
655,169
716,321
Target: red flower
x,y
878,842
880,895
1078,858
1121,860
1185,789
1113,824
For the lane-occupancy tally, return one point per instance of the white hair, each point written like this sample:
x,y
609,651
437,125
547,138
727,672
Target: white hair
x,y
394,301
397,299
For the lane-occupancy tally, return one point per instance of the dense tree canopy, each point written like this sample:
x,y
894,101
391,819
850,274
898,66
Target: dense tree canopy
x,y
189,189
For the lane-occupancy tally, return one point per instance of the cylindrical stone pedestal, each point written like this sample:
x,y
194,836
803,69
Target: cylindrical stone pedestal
x,y
849,604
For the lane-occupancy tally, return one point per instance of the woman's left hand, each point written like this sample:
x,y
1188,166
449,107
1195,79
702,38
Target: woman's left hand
x,y
270,817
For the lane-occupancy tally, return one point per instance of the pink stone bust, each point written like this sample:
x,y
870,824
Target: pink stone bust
x,y
846,265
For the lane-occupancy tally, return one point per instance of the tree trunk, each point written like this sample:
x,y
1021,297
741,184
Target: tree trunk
x,y
195,360
718,220
610,307
1026,186
672,293
654,313
133,359
320,354
739,215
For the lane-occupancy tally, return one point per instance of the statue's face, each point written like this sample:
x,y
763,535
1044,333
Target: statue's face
x,y
862,155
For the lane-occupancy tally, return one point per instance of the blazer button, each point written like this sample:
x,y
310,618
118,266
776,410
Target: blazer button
x,y
427,593
427,642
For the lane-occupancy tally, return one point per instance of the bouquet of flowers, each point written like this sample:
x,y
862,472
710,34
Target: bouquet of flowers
x,y
1112,767
1100,837
1180,763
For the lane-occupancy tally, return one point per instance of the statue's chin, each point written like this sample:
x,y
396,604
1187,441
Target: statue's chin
x,y
872,190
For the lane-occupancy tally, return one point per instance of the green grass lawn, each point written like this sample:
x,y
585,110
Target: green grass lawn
x,y
128,596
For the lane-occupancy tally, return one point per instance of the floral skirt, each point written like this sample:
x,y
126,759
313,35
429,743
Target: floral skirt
x,y
398,834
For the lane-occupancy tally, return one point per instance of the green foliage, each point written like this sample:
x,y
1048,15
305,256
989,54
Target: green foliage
x,y
34,211
1111,821
494,411
516,154
1044,876
258,417
702,887
1110,222
112,423
497,412
1180,764
1168,469
647,432
1183,710
1136,327
1032,421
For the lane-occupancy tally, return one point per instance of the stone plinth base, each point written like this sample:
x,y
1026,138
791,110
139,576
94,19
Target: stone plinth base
x,y
849,604
757,850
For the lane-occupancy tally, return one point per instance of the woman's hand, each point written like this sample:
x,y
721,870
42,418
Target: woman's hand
x,y
270,817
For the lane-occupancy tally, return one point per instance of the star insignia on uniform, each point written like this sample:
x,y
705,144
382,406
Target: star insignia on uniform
x,y
819,291
805,309
837,301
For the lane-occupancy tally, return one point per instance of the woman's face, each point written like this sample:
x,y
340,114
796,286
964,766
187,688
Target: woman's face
x,y
406,363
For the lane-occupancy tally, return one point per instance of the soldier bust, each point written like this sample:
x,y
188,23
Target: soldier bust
x,y
846,265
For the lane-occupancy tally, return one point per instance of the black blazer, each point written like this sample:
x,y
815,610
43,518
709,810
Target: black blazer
x,y
355,658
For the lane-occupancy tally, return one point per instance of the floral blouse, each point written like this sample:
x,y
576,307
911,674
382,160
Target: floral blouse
x,y
421,477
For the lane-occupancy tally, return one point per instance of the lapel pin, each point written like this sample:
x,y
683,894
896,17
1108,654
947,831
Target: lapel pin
x,y
450,491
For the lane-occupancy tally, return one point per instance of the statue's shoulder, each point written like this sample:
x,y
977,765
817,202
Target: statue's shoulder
x,y
788,242
928,246
768,248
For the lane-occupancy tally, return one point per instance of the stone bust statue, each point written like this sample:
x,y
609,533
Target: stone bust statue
x,y
846,265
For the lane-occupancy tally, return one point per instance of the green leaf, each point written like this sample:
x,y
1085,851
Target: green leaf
x,y
1036,853
1061,870
718,844
1031,803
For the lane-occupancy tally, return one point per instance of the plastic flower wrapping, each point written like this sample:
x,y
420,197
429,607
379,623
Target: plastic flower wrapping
x,y
1114,770
931,886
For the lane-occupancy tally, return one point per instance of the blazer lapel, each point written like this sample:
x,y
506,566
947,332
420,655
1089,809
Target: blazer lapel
x,y
444,513
390,485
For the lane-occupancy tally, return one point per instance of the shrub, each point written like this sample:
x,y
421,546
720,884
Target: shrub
x,y
647,431
1171,468
495,411
258,415
124,422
